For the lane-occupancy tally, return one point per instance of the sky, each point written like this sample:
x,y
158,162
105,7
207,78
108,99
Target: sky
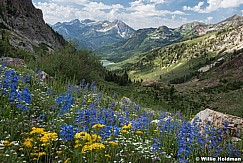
x,y
140,13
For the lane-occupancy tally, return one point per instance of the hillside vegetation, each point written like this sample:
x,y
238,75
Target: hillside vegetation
x,y
46,121
197,69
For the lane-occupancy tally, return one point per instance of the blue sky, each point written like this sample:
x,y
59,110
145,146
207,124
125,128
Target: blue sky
x,y
140,13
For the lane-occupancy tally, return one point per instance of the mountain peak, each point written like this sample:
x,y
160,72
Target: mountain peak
x,y
235,17
86,21
75,21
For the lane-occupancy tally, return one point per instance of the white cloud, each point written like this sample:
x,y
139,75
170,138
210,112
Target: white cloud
x,y
140,13
195,8
209,19
214,5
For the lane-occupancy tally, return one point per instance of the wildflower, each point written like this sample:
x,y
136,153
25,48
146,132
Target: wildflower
x,y
21,149
40,154
123,131
94,146
83,136
37,131
107,155
34,154
48,137
126,127
6,143
95,137
67,160
139,132
113,143
28,142
89,101
67,133
98,126
58,152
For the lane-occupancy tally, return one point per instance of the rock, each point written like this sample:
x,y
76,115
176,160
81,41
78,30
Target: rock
x,y
43,75
13,61
218,120
23,19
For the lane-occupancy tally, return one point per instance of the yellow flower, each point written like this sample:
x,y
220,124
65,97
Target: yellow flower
x,y
95,137
35,147
113,143
126,127
98,126
37,131
107,155
41,154
28,142
48,136
78,145
155,130
94,146
45,144
34,154
6,143
67,160
34,159
135,115
58,152
139,132
124,131
83,136
20,149
89,100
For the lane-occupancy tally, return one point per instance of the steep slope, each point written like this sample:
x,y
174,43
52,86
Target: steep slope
x,y
162,36
178,59
23,26
92,34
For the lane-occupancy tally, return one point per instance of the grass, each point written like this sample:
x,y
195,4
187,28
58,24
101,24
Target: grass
x,y
54,121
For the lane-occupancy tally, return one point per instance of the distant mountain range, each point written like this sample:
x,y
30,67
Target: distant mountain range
x,y
92,35
117,41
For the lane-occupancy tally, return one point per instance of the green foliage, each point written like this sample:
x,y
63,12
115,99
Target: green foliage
x,y
70,63
122,80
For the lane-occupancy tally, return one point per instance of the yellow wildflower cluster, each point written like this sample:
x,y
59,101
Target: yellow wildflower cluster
x,y
113,143
28,142
139,132
107,155
88,142
6,143
127,127
94,146
39,142
44,137
48,137
98,126
37,130
39,154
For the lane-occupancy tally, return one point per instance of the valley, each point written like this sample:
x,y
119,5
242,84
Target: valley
x,y
100,91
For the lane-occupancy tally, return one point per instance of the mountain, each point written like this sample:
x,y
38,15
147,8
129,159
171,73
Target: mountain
x,y
198,73
147,39
93,34
22,25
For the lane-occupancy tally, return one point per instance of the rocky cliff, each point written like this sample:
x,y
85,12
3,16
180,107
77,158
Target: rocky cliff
x,y
25,26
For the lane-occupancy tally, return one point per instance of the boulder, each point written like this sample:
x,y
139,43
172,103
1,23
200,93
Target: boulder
x,y
220,120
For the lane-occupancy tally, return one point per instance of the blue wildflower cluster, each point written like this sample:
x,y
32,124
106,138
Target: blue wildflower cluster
x,y
85,120
9,86
64,102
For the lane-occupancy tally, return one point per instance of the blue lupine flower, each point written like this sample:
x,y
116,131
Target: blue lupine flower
x,y
67,133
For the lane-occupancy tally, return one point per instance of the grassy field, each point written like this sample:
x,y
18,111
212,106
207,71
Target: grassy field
x,y
52,121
